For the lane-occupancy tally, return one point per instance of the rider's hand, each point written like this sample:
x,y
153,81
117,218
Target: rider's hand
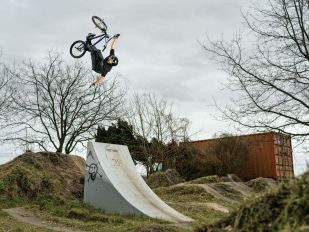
x,y
117,35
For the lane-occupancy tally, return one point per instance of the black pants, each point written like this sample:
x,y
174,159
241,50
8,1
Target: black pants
x,y
96,58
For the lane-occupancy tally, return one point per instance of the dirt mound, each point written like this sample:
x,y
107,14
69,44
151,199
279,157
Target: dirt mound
x,y
31,175
261,184
210,179
283,209
164,179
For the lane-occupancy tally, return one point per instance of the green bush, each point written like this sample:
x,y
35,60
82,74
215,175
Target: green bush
x,y
191,163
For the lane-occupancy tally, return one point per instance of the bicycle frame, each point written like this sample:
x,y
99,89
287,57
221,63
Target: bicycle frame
x,y
102,37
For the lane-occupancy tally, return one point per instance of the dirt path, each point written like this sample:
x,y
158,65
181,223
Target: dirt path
x,y
218,207
27,216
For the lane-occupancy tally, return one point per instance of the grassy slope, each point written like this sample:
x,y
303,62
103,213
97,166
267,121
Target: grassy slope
x,y
285,209
51,185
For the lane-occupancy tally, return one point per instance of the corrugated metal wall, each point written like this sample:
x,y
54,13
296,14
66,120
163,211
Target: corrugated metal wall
x,y
270,155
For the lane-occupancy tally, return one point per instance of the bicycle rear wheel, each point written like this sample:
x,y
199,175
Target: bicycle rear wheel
x,y
78,49
98,22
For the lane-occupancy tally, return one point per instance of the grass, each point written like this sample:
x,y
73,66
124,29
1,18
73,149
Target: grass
x,y
184,193
191,199
79,216
283,209
47,185
259,184
75,214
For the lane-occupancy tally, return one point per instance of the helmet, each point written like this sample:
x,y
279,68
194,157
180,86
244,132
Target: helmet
x,y
112,60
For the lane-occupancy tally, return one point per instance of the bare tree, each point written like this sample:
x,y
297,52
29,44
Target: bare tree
x,y
155,126
56,106
152,117
272,77
5,90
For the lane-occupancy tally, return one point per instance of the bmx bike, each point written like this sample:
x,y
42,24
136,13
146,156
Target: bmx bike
x,y
79,48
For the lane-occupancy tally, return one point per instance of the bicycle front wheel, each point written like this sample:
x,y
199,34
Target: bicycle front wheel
x,y
77,49
98,22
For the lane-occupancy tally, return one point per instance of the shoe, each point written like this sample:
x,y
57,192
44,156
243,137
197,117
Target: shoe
x,y
89,37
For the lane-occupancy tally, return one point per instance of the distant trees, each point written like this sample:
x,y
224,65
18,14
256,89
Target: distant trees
x,y
272,77
119,133
156,128
152,117
55,105
5,90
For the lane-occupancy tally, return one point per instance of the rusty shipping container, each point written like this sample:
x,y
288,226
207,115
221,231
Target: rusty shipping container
x,y
270,155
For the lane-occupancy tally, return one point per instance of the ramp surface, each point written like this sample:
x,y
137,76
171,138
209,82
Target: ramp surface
x,y
112,183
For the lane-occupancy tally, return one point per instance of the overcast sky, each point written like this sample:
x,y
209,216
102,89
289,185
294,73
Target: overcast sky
x,y
158,49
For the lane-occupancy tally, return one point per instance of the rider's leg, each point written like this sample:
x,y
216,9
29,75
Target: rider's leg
x,y
92,48
96,58
88,42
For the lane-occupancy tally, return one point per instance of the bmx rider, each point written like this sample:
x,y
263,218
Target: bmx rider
x,y
100,64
